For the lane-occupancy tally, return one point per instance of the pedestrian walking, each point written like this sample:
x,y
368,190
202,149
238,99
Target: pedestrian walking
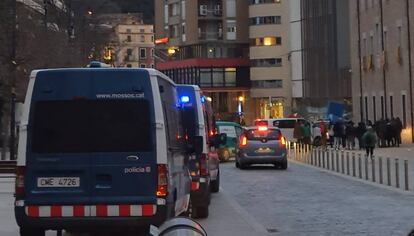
x,y
338,134
305,128
350,135
360,131
297,132
324,134
370,140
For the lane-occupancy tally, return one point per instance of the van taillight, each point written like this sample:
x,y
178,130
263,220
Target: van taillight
x,y
243,141
203,165
19,183
162,184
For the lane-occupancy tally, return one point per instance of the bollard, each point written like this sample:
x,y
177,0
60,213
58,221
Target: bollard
x,y
332,160
406,175
366,167
360,165
342,162
397,174
353,164
319,158
373,169
328,166
380,169
388,172
337,161
323,158
347,163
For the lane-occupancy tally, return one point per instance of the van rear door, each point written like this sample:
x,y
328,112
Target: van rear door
x,y
91,139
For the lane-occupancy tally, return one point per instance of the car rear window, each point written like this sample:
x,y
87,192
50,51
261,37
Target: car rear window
x,y
284,124
81,126
189,121
229,130
270,134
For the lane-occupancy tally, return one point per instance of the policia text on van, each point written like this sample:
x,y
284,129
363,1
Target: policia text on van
x,y
88,162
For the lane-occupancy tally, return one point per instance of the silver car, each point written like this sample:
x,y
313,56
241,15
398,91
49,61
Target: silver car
x,y
262,145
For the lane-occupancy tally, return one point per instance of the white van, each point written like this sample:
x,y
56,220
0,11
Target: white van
x,y
286,125
99,150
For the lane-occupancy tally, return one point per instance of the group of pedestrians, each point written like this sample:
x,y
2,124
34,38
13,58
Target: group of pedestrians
x,y
382,133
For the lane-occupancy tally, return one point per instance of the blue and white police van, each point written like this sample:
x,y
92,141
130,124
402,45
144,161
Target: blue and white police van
x,y
100,149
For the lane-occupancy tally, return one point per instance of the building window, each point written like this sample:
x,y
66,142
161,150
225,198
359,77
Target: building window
x,y
142,30
152,53
129,38
142,53
267,83
267,41
183,10
142,65
231,8
166,14
174,9
173,31
252,2
142,38
129,52
404,111
129,65
374,108
264,20
152,39
272,62
231,30
366,108
152,65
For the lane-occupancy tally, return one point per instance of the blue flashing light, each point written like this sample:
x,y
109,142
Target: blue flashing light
x,y
185,99
203,99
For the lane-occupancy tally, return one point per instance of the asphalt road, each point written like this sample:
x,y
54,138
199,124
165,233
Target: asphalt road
x,y
298,201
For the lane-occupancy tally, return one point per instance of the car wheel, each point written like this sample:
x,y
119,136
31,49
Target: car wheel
x,y
215,184
284,165
31,232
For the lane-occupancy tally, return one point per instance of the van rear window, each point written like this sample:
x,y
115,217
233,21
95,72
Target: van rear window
x,y
284,124
81,126
270,134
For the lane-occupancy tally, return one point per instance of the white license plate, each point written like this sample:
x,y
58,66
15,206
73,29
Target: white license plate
x,y
58,182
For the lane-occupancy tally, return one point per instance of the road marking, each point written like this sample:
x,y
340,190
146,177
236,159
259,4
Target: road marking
x,y
244,214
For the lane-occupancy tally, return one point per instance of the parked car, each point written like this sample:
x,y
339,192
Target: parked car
x,y
233,131
93,153
262,145
204,167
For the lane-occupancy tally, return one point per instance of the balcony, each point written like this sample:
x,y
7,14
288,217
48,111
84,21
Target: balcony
x,y
206,12
210,35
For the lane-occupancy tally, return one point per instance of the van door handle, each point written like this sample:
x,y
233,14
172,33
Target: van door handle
x,y
132,158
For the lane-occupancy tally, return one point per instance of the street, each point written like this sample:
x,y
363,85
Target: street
x,y
300,201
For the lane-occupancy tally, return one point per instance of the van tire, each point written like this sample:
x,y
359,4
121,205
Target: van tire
x,y
215,184
200,212
31,232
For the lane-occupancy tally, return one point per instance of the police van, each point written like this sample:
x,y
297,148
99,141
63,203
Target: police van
x,y
100,149
204,168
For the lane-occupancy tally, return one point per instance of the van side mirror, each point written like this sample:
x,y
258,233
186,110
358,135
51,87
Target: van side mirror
x,y
198,145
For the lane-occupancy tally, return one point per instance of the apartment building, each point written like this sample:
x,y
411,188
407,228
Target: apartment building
x,y
270,72
206,42
134,41
381,66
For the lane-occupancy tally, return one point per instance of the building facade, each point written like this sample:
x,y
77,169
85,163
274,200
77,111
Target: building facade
x,y
206,42
134,42
381,61
270,71
325,66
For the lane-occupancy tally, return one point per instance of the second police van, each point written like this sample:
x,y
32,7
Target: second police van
x,y
100,149
198,121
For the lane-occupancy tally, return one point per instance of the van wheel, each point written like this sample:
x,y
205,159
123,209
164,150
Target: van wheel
x,y
215,184
31,232
200,212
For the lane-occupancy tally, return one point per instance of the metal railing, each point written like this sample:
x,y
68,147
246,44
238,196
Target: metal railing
x,y
393,172
7,167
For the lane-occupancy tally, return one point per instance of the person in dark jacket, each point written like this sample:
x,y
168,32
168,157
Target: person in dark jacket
x,y
370,140
338,133
360,131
